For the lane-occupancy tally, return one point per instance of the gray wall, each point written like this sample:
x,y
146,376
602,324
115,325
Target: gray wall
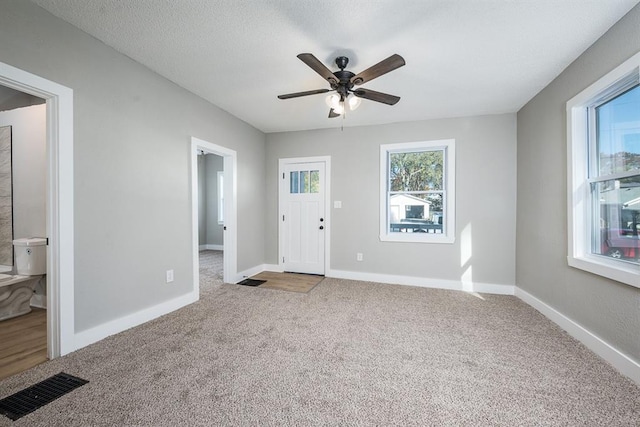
x,y
132,132
486,197
29,127
202,200
209,231
214,230
607,308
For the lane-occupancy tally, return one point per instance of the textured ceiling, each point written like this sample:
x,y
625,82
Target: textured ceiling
x,y
464,57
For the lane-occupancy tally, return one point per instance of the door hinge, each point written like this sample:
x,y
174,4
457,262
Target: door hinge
x,y
282,175
283,217
283,259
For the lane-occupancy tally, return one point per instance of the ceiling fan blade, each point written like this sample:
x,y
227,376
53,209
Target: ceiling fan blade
x,y
382,67
372,95
318,67
297,94
333,114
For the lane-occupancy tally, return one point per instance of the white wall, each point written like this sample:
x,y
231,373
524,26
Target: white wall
x,y
608,309
29,125
132,135
486,198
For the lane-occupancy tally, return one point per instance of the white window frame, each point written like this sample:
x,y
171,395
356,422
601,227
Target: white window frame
x,y
449,188
579,196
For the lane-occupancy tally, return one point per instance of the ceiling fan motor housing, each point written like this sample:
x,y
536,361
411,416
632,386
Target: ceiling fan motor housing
x,y
344,84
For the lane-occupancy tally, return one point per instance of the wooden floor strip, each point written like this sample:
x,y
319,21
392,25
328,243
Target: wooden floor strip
x,y
292,282
23,342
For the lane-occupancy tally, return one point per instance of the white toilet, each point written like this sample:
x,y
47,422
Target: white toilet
x,y
16,290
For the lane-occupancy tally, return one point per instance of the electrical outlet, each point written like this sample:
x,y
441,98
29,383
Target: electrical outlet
x,y
169,276
359,257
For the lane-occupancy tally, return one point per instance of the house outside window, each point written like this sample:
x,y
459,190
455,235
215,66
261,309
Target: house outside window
x,y
604,176
417,192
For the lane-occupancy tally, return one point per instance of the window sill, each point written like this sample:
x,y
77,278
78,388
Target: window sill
x,y
619,271
417,238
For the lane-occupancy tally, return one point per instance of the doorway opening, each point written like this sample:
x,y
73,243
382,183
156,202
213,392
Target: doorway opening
x,y
214,219
23,326
59,204
211,216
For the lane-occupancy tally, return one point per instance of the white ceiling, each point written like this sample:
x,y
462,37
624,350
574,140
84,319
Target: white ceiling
x,y
464,57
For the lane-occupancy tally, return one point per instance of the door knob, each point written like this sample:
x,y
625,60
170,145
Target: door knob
x,y
321,227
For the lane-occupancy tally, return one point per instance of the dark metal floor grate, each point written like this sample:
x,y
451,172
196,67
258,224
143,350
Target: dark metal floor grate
x,y
28,400
251,282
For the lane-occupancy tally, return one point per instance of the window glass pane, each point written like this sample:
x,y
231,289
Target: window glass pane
x,y
315,182
415,213
304,181
616,213
293,182
618,133
416,171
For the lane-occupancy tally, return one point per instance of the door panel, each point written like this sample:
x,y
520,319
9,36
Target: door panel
x,y
302,217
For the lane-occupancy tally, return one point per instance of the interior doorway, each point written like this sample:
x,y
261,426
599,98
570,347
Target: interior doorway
x,y
59,203
223,218
23,327
211,217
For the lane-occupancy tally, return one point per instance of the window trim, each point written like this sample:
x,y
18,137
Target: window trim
x,y
578,188
449,190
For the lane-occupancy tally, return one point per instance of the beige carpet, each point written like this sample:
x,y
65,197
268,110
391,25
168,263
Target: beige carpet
x,y
346,353
211,267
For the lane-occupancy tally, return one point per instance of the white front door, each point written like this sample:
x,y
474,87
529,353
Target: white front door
x,y
302,217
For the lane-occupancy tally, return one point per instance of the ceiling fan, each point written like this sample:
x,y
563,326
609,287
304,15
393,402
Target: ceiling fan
x,y
344,82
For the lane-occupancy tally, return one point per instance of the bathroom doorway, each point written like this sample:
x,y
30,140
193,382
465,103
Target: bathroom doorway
x,y
23,195
60,312
213,190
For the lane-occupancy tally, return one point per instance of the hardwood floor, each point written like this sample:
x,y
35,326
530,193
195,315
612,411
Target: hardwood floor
x,y
23,342
291,282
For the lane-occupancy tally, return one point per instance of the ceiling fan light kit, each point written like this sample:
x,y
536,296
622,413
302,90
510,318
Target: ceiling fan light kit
x,y
344,81
338,105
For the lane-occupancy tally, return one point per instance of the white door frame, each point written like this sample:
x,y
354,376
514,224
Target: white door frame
x,y
59,215
327,202
230,255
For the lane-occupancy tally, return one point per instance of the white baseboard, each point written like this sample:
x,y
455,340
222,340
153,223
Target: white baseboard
x,y
97,333
211,247
488,288
615,357
423,282
250,272
272,267
256,270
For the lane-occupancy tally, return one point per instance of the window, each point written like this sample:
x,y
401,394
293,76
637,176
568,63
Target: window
x,y
417,192
220,197
604,176
304,182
